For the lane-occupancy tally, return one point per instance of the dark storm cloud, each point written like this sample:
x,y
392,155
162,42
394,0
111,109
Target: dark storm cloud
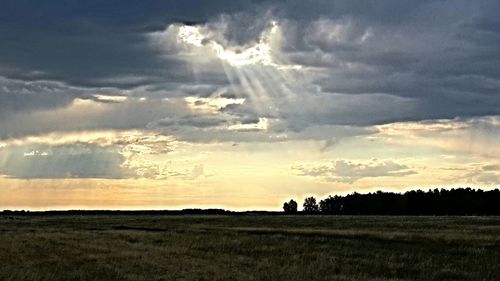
x,y
18,96
443,54
372,62
82,41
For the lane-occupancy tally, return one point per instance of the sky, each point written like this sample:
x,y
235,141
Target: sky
x,y
244,104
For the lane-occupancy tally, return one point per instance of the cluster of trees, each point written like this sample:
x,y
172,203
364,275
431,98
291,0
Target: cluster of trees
x,y
460,201
309,206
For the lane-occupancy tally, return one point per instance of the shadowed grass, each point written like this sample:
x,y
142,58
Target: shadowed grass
x,y
249,248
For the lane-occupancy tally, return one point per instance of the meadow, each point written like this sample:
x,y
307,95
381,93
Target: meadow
x,y
248,247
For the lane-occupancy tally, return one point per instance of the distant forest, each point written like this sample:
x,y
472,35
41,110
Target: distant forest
x,y
437,202
459,202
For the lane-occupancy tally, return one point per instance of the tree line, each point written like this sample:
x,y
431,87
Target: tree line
x,y
459,201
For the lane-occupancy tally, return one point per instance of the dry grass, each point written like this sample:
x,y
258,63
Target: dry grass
x,y
249,248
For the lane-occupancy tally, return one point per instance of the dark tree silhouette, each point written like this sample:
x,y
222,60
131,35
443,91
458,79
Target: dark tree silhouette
x,y
290,207
331,205
310,205
286,207
460,201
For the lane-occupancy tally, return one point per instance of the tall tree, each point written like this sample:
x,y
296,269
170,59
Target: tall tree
x,y
290,207
310,205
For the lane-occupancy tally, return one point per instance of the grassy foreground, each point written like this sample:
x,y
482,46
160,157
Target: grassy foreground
x,y
120,247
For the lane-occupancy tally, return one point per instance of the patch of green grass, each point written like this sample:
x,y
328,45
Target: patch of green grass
x,y
249,248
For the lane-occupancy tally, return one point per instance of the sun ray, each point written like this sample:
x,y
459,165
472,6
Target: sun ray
x,y
257,70
249,88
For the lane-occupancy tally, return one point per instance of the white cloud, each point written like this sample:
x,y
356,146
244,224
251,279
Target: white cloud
x,y
347,171
36,153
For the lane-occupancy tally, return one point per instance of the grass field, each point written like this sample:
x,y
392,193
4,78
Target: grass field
x,y
121,247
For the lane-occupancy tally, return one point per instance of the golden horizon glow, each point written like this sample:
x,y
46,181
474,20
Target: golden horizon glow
x,y
221,175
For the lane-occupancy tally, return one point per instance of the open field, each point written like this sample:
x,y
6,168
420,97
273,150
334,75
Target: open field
x,y
124,247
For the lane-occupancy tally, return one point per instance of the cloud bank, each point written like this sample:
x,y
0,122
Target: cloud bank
x,y
256,72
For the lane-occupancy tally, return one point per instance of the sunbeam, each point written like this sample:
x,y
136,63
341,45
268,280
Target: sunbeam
x,y
257,70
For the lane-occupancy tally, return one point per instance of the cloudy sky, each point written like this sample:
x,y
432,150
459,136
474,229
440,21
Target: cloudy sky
x,y
244,104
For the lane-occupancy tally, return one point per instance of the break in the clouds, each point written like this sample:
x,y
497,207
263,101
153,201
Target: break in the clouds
x,y
162,90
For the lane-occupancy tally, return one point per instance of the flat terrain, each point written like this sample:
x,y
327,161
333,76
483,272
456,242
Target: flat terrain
x,y
125,247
